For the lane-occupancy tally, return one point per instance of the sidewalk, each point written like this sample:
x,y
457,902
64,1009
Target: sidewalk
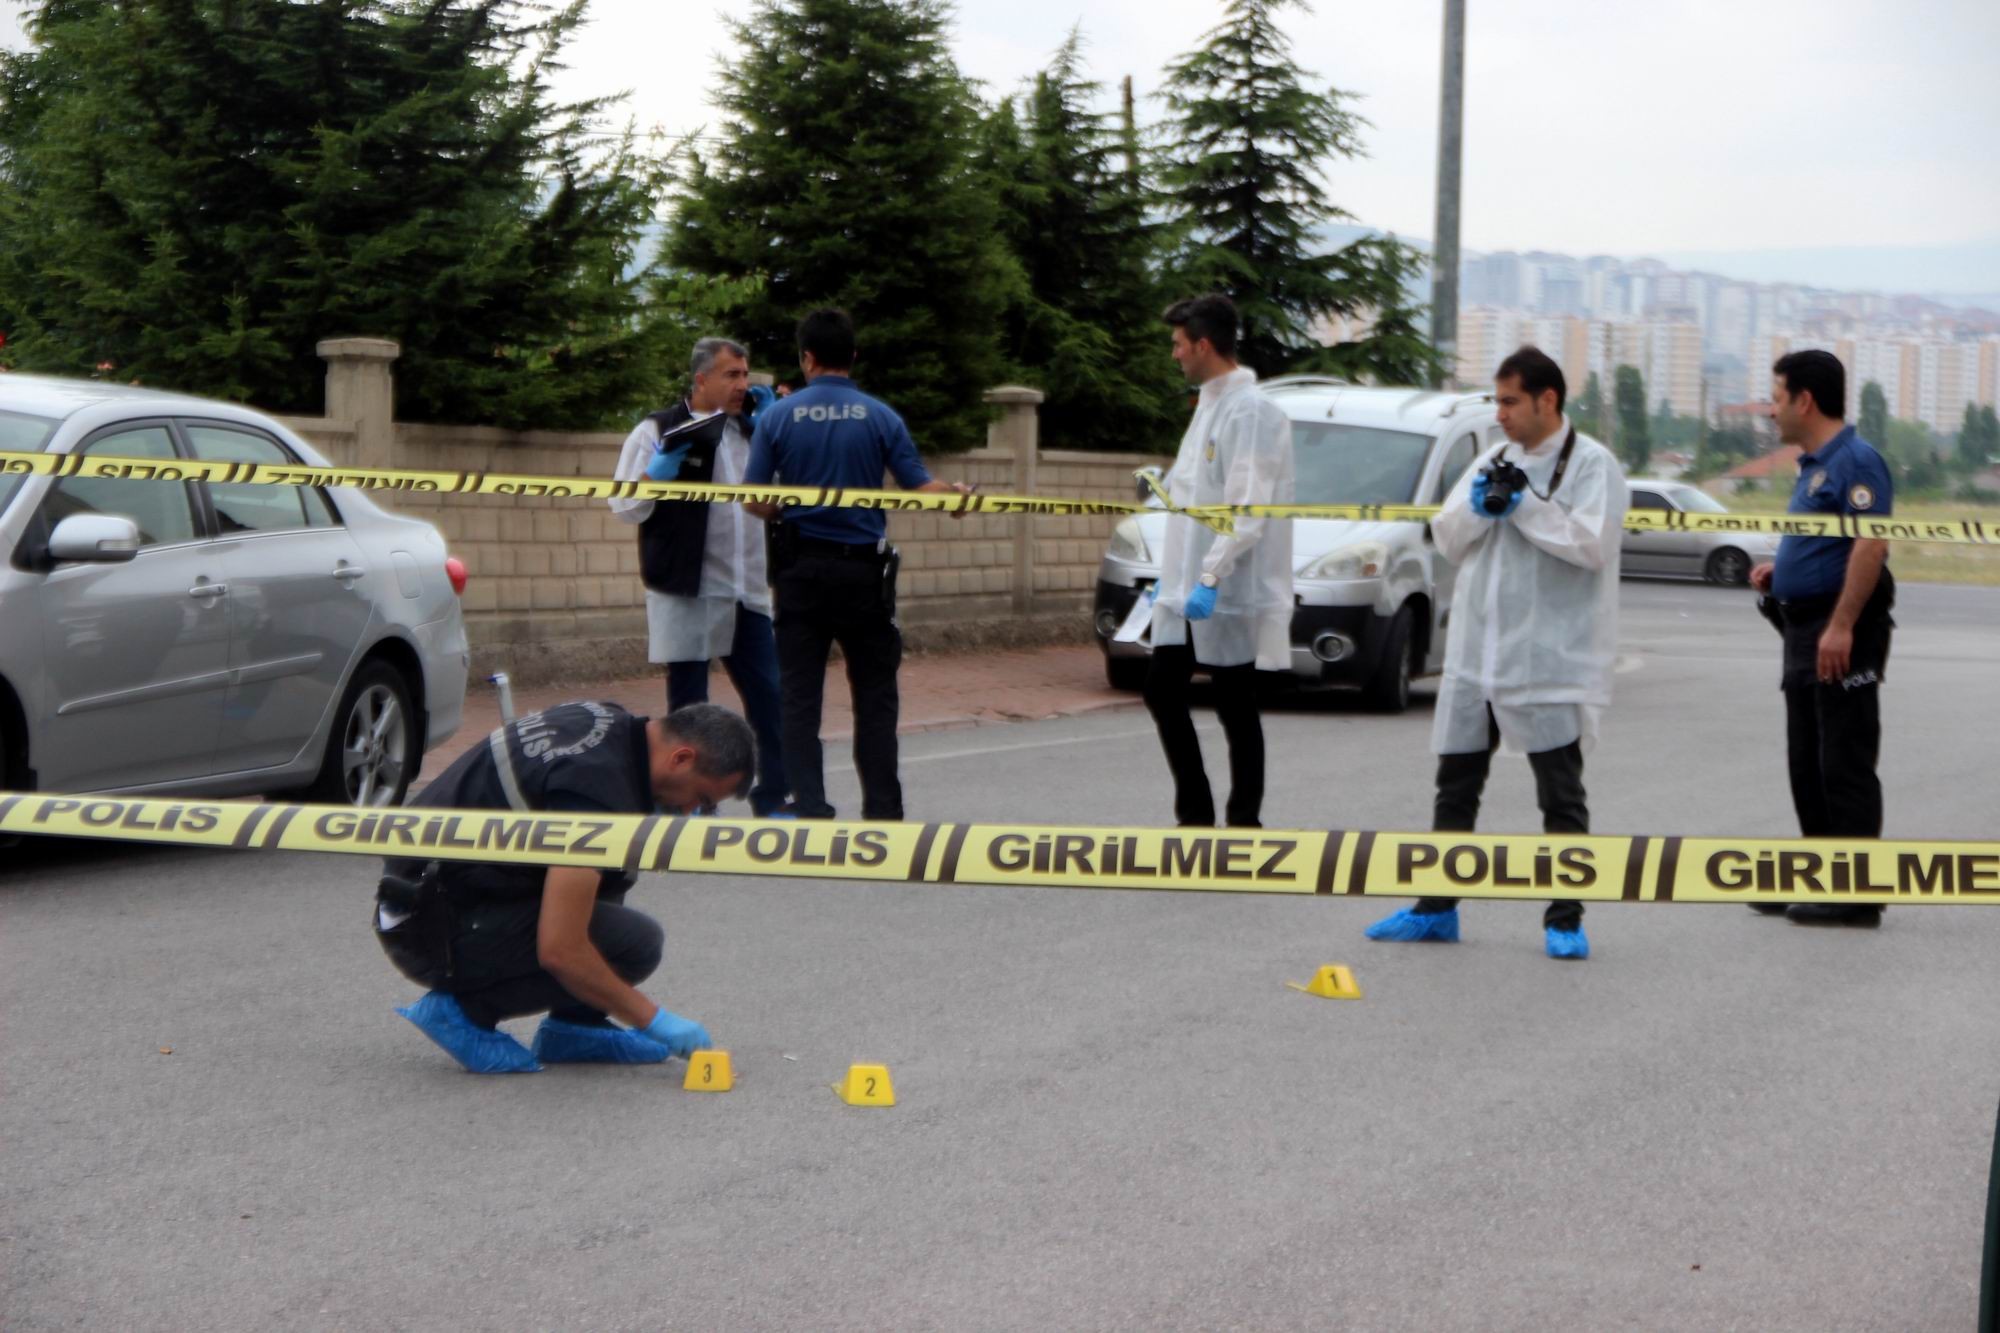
x,y
941,692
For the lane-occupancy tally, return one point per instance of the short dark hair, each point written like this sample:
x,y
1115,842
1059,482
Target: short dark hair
x,y
828,333
1818,373
1210,315
722,743
1538,373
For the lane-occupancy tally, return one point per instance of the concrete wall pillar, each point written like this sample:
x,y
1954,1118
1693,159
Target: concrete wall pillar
x,y
1017,431
361,391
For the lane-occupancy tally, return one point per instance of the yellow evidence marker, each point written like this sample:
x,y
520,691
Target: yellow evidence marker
x,y
709,1071
866,1085
1332,982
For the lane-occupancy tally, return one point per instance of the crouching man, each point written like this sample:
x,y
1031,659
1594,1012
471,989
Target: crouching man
x,y
496,941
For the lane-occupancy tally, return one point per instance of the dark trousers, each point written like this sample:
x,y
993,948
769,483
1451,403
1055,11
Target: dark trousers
x,y
824,600
752,664
1461,780
497,973
1833,729
1168,685
1833,736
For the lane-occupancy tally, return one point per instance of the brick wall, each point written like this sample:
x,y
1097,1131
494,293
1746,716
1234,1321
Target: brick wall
x,y
554,587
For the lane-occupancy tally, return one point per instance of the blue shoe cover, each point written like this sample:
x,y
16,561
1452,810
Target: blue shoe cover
x,y
480,1050
560,1043
1410,924
1567,943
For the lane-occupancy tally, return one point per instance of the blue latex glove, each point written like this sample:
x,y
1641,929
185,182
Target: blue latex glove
x,y
681,1036
1152,593
1200,602
666,463
1478,499
760,397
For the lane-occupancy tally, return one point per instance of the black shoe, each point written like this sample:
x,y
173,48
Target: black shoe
x,y
1835,914
1769,909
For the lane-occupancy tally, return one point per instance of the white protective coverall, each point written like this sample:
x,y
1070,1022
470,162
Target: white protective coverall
x,y
1237,450
1534,621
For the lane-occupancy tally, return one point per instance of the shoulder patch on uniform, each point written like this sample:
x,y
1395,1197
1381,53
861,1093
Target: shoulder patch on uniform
x,y
1859,496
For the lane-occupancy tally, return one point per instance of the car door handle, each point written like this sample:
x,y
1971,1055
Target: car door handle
x,y
347,573
208,590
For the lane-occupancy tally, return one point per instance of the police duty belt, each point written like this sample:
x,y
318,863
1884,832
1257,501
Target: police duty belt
x,y
1321,863
1971,532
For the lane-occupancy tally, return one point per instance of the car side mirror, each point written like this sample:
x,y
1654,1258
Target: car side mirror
x,y
1139,480
101,539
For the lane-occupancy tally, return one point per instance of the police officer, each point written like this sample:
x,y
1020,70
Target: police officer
x,y
833,569
707,594
1830,599
497,941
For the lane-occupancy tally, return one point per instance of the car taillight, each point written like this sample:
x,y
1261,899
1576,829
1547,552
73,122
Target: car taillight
x,y
454,569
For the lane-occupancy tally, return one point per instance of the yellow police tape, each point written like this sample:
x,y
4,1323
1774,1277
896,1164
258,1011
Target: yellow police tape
x,y
1954,531
1324,862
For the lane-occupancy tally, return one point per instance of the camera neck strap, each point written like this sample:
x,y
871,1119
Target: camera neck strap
x,y
1562,466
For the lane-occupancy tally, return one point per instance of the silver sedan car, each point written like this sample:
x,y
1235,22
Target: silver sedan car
x,y
222,639
1718,557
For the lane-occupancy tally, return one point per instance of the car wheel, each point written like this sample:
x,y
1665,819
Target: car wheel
x,y
373,751
1728,567
1388,690
1125,673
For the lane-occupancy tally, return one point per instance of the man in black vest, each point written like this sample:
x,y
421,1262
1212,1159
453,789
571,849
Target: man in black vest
x,y
703,564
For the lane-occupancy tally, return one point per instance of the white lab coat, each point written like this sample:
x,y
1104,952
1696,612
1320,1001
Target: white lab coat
x,y
1534,618
1237,450
703,627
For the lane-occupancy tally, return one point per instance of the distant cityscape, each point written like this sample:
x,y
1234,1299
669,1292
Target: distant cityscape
x,y
1705,342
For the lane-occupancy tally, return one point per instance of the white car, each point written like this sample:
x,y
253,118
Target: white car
x,y
213,638
1373,599
1719,557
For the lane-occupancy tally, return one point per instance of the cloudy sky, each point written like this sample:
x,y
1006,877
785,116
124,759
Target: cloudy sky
x,y
1852,142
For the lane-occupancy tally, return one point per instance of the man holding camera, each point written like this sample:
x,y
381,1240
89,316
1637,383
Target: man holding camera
x,y
1830,598
703,564
1535,526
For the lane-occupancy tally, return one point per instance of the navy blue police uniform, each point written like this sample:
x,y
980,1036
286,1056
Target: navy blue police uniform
x,y
833,574
1834,728
470,929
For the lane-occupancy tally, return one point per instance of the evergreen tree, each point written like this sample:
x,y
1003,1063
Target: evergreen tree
x,y
1586,410
848,176
1083,323
1243,177
197,191
1978,438
1874,424
1628,391
1395,350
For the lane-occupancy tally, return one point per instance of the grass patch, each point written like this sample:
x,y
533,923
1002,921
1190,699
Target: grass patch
x,y
1915,562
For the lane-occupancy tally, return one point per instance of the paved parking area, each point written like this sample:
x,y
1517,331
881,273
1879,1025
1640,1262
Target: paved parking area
x,y
1112,1113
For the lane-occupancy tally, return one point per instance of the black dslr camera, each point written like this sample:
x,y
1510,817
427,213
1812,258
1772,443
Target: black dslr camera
x,y
1503,482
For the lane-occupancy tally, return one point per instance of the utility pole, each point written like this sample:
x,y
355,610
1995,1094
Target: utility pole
x,y
1451,145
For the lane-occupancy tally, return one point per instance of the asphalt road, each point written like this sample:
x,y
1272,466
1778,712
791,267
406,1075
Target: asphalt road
x,y
1112,1113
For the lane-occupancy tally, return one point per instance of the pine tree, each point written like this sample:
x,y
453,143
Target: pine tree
x,y
1586,410
196,191
1978,438
1248,142
848,176
1083,322
1395,350
1874,425
1628,391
